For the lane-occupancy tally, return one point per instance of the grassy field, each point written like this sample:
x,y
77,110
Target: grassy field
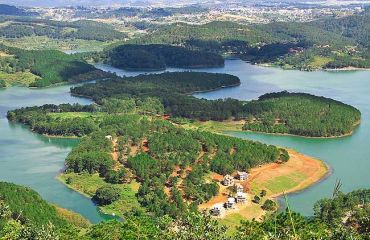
x,y
67,115
18,78
44,43
213,126
276,178
72,217
87,185
319,62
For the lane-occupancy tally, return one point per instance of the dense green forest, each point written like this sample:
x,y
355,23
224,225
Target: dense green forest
x,y
296,113
150,149
154,57
349,221
25,215
327,43
301,114
17,27
172,89
50,66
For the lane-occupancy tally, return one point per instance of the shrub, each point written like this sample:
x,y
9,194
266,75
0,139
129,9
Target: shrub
x,y
269,205
106,195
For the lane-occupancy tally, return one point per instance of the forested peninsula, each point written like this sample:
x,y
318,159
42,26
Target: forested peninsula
x,y
292,113
42,68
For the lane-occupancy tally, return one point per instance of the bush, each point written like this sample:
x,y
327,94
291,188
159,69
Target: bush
x,y
106,195
263,193
256,199
269,205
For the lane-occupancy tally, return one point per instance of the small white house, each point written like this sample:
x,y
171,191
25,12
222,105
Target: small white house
x,y
228,180
242,176
230,202
109,137
241,197
217,209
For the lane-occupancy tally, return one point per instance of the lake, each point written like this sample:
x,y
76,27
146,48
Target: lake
x,y
32,160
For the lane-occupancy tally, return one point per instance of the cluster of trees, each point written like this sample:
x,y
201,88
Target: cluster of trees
x,y
17,27
25,215
168,146
293,113
159,57
171,89
92,155
39,220
106,195
40,121
51,66
301,114
275,41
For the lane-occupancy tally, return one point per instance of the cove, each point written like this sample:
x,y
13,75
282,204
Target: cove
x,y
33,160
347,157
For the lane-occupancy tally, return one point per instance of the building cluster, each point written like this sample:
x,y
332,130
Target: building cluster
x,y
240,196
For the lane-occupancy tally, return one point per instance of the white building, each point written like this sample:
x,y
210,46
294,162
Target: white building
x,y
217,209
241,197
228,180
242,176
239,188
230,202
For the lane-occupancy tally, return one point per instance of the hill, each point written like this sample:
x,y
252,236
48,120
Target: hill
x,y
45,67
159,57
25,215
14,11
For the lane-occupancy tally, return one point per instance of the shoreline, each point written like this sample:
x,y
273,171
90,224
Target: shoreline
x,y
236,126
304,171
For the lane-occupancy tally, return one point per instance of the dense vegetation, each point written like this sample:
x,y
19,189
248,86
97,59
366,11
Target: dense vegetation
x,y
349,221
293,113
159,57
17,27
328,43
155,152
301,114
50,66
25,215
171,89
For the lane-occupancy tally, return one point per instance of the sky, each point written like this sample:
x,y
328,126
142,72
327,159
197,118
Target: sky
x,y
56,3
